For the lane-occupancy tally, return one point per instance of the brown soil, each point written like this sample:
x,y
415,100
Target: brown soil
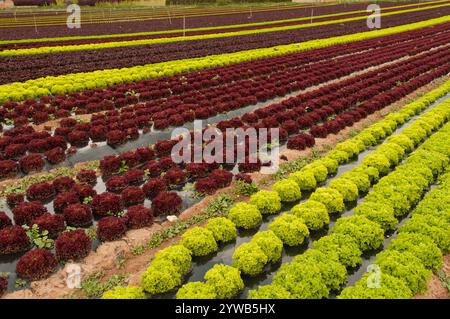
x,y
435,288
116,257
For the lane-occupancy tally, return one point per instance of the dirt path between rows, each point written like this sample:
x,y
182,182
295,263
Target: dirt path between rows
x,y
436,289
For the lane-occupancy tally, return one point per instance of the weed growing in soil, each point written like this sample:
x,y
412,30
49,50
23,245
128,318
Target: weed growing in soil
x,y
245,189
190,187
93,287
20,283
91,232
219,206
121,259
445,280
290,167
138,250
87,200
38,238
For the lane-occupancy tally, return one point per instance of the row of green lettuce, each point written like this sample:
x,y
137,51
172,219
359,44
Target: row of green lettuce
x,y
116,44
188,30
404,268
324,268
77,82
169,267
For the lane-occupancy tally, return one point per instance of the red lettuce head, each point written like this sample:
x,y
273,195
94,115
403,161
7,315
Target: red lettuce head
x,y
164,148
134,176
55,155
290,126
138,216
84,190
318,131
3,285
73,245
13,239
222,177
78,138
116,138
15,151
8,169
130,158
63,184
153,168
206,185
68,122
247,167
38,146
154,186
25,212
166,203
166,163
31,163
197,170
64,199
110,165
107,204
243,177
41,191
78,215
132,133
133,195
145,154
36,264
175,176
87,176
98,133
116,184
4,220
110,228
161,124
62,131
53,223
15,199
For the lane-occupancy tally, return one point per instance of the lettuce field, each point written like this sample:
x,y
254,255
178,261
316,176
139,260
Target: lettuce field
x,y
259,151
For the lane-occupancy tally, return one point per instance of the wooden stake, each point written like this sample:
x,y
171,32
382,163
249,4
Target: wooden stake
x,y
35,26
